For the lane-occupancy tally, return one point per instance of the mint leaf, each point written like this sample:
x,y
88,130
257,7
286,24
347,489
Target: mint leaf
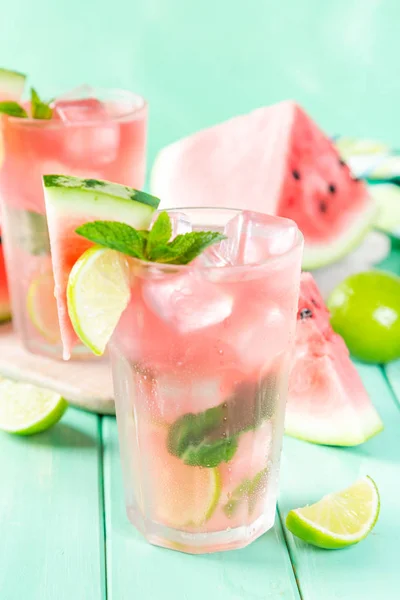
x,y
249,490
39,109
117,236
150,245
210,437
190,245
210,454
160,233
13,109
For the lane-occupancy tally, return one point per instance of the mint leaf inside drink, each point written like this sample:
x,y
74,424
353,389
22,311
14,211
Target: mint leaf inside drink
x,y
153,245
39,109
210,437
13,109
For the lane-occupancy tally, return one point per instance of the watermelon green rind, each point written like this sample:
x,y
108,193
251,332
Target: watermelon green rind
x,y
11,84
97,187
331,431
316,256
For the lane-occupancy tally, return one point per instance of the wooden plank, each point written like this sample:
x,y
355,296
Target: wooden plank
x,y
135,569
392,263
370,569
50,520
392,371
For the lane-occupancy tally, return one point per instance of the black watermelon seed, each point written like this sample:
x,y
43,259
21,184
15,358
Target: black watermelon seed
x,y
315,302
356,179
332,188
323,207
306,313
342,163
296,174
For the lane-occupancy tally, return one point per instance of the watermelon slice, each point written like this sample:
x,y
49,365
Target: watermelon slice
x,y
327,402
273,160
70,202
5,309
12,85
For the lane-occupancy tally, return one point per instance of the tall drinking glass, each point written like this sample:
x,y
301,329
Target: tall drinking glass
x,y
200,362
94,133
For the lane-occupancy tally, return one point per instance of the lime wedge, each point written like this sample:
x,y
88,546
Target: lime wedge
x,y
26,409
97,294
182,496
338,520
42,308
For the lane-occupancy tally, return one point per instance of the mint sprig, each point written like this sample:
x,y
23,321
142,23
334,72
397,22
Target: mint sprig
x,y
39,109
13,109
210,437
153,245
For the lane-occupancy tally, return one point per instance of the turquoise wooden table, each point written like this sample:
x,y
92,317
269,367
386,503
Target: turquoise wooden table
x,y
64,534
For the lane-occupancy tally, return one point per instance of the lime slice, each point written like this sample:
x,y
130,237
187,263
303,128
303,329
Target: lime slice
x,y
97,294
182,496
26,409
42,308
340,519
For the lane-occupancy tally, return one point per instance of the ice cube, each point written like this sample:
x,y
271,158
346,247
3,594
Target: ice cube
x,y
212,257
258,336
81,91
92,135
252,238
177,395
81,110
188,302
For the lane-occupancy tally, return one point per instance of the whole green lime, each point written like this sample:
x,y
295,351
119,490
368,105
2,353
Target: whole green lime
x,y
365,311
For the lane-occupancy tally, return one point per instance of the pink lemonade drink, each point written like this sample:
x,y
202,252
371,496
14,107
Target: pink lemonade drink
x,y
99,134
200,362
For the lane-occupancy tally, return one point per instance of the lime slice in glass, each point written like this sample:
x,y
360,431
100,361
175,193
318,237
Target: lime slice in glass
x,y
340,519
42,307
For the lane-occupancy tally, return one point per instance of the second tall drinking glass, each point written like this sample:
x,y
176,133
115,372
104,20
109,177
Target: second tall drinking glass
x,y
100,134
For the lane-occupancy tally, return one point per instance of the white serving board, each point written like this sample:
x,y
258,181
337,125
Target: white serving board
x,y
86,384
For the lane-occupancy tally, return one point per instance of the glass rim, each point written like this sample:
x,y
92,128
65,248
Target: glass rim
x,y
271,261
139,107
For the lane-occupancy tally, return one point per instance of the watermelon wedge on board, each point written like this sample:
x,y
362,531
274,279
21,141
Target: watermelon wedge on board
x,y
274,160
327,401
71,202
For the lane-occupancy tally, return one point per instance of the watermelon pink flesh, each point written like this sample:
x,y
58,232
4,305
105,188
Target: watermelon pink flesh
x,y
274,160
327,402
5,309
